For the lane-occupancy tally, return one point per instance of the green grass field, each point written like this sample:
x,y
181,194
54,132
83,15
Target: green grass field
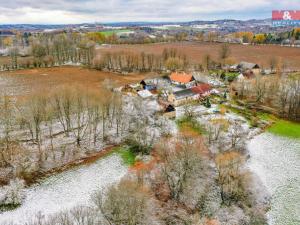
x,y
281,127
111,32
285,128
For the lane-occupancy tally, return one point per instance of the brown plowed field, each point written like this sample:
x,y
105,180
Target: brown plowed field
x,y
195,51
43,79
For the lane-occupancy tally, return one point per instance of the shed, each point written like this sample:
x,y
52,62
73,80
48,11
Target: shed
x,y
183,96
247,66
148,84
145,94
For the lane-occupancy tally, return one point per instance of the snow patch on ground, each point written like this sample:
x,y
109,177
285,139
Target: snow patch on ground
x,y
67,190
197,109
276,160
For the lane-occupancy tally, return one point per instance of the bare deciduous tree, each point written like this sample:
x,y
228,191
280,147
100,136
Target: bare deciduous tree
x,y
224,52
125,203
230,176
181,162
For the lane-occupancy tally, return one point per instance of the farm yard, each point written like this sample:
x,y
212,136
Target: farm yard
x,y
195,52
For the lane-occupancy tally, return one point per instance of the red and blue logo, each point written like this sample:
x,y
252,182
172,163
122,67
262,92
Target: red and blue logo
x,y
286,17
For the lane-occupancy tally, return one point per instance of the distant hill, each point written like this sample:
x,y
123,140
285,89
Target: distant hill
x,y
224,26
131,24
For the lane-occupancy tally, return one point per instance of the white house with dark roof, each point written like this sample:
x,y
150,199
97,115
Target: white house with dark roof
x,y
247,66
183,96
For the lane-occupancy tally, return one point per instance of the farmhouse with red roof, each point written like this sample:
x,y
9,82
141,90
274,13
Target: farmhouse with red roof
x,y
185,79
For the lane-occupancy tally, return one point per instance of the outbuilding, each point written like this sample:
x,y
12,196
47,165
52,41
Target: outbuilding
x,y
246,66
145,94
183,96
170,111
202,89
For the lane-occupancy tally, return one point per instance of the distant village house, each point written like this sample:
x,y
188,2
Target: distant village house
x,y
246,67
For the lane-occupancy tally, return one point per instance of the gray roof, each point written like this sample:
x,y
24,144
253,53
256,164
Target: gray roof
x,y
184,93
201,77
247,65
150,81
145,94
155,81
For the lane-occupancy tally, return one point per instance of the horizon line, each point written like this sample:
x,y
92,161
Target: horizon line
x,y
120,22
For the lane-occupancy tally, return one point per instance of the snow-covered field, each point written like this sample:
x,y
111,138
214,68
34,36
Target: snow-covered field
x,y
68,189
276,160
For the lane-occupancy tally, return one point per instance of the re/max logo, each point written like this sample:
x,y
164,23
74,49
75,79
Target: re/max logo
x,y
286,17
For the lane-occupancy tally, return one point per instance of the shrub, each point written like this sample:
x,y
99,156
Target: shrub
x,y
254,121
207,103
137,147
231,76
12,195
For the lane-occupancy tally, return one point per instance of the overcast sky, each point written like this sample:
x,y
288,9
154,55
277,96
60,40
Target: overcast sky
x,y
80,11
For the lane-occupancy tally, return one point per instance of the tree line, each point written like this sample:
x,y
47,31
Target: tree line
x,y
46,50
268,38
280,92
125,61
51,128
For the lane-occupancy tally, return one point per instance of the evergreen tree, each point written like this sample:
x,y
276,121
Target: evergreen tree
x,y
207,104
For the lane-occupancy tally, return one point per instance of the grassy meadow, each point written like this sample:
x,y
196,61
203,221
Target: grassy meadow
x,y
111,32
